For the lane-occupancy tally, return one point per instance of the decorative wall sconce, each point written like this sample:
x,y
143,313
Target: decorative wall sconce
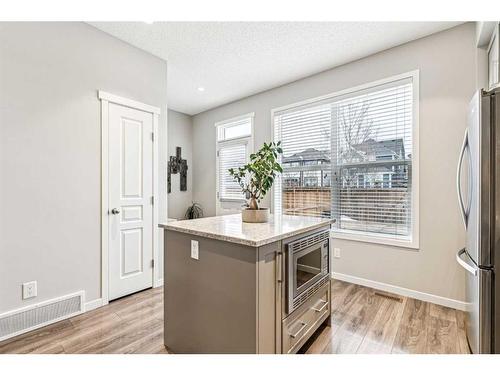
x,y
177,164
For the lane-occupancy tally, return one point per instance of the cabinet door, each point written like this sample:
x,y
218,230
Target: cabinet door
x,y
493,66
268,307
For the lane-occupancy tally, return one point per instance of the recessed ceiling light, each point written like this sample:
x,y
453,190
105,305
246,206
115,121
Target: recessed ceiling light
x,y
149,22
201,89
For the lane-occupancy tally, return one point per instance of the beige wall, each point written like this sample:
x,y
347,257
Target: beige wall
x,y
447,64
180,133
50,145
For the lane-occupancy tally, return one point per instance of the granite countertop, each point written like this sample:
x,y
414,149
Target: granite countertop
x,y
230,228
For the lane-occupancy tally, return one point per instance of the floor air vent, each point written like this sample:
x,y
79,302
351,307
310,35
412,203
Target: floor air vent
x,y
389,296
16,322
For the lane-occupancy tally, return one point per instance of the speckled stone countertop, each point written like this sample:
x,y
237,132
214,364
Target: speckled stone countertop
x,y
230,228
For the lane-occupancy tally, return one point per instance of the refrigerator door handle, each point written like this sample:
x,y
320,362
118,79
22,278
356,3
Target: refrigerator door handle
x,y
464,264
463,210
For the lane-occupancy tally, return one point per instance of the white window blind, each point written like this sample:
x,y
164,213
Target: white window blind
x,y
349,157
305,182
230,156
372,144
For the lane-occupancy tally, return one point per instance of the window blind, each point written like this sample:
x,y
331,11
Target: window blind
x,y
304,186
371,148
230,156
349,157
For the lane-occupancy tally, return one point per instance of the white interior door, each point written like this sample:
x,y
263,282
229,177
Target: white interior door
x,y
130,200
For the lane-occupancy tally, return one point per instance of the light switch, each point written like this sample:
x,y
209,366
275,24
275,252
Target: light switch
x,y
336,252
29,290
195,250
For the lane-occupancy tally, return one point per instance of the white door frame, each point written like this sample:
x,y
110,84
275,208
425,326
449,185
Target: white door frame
x,y
105,99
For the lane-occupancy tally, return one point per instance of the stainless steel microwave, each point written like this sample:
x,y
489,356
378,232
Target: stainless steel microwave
x,y
307,267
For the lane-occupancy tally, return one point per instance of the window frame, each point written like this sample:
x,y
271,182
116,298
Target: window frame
x,y
413,242
228,206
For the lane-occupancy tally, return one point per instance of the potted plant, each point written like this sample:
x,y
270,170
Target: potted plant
x,y
256,179
195,211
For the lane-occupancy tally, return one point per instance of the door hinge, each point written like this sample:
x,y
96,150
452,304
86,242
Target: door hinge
x,y
153,137
218,153
152,200
153,263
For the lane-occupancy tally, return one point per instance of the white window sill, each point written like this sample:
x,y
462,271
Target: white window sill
x,y
382,240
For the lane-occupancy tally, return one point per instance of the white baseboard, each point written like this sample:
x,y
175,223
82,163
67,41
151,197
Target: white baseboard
x,y
443,301
99,302
91,305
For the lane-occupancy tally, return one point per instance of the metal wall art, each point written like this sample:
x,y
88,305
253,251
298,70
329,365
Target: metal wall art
x,y
177,165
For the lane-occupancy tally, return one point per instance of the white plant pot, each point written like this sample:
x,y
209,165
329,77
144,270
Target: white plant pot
x,y
255,216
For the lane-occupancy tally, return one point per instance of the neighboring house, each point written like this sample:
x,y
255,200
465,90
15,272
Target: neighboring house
x,y
307,169
372,150
358,166
375,164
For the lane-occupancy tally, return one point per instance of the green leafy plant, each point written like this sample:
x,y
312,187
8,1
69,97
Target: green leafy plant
x,y
194,211
257,177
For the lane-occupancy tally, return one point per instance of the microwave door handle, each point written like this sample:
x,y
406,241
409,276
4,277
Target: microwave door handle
x,y
459,177
464,264
325,304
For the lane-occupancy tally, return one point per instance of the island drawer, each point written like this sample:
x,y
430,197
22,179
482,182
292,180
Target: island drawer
x,y
302,323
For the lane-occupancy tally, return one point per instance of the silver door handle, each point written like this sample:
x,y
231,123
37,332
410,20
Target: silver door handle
x,y
115,211
465,144
464,264
294,335
325,303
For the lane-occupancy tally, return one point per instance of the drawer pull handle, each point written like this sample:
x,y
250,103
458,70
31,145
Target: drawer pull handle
x,y
325,303
294,335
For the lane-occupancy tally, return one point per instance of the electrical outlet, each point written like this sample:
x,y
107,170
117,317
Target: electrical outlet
x,y
336,252
29,290
195,250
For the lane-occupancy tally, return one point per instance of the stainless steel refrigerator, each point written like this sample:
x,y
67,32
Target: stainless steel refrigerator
x,y
479,201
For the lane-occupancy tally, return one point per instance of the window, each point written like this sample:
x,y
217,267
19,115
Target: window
x,y
234,145
311,181
387,177
230,156
362,141
361,181
238,128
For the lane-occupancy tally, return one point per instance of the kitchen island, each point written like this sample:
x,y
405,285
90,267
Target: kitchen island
x,y
228,284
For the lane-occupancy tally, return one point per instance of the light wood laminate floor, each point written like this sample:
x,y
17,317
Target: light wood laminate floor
x,y
364,321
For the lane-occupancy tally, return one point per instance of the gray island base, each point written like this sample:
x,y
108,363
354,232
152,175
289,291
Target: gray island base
x,y
235,297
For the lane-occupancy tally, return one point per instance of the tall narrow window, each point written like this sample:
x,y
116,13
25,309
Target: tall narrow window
x,y
350,156
234,145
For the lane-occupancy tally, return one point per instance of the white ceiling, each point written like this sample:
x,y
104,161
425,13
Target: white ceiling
x,y
232,60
